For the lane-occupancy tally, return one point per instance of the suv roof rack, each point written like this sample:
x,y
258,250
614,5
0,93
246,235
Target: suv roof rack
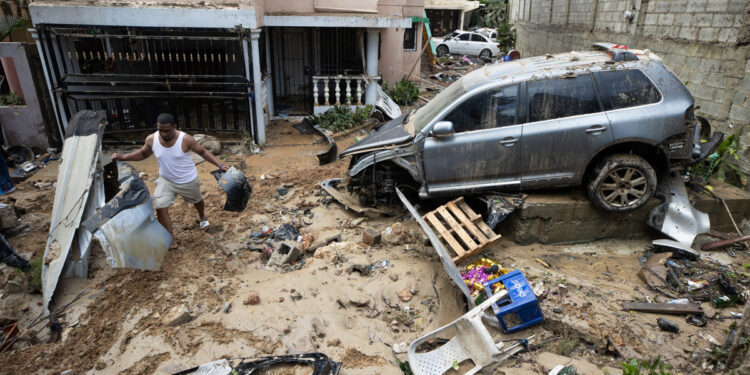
x,y
616,52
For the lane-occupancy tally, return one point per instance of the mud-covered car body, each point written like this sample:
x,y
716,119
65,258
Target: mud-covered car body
x,y
538,122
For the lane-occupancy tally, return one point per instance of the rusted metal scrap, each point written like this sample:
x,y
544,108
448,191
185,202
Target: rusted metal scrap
x,y
664,308
723,243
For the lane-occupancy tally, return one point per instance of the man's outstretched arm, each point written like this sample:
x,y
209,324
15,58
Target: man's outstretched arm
x,y
140,154
194,146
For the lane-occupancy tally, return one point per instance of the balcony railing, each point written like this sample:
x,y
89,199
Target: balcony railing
x,y
340,89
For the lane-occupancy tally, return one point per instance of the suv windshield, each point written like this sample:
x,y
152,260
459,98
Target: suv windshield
x,y
423,116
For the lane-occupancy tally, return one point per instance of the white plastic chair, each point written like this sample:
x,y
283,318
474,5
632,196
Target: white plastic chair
x,y
472,341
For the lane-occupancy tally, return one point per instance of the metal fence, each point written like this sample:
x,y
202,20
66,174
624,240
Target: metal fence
x,y
136,73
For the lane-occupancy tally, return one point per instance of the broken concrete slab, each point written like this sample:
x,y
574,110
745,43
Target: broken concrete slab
x,y
371,237
287,252
566,216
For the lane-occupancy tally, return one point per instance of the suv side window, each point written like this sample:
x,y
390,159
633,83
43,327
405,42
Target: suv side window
x,y
486,110
561,97
625,88
477,38
464,37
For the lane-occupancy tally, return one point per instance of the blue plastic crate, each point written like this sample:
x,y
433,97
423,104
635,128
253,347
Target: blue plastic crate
x,y
521,302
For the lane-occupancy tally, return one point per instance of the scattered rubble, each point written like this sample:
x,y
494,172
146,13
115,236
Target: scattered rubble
x,y
252,299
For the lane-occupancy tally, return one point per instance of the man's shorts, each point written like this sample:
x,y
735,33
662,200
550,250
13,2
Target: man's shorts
x,y
167,191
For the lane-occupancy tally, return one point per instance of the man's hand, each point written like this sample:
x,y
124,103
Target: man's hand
x,y
117,156
224,167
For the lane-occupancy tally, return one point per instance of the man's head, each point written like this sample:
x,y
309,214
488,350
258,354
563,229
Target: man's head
x,y
166,126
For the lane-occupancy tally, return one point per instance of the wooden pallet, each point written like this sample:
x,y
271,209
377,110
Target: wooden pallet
x,y
462,229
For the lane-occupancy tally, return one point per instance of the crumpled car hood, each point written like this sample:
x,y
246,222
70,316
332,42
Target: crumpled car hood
x,y
391,133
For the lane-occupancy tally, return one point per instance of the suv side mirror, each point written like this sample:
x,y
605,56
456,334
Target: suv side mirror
x,y
443,129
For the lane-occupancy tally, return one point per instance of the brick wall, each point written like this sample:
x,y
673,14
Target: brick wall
x,y
706,43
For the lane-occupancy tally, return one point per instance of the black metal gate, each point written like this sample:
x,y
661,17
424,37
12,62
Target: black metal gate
x,y
200,76
293,68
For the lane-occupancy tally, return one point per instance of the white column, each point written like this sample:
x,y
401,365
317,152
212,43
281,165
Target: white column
x,y
373,38
257,86
269,70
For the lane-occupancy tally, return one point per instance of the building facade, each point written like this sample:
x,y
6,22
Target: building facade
x,y
221,66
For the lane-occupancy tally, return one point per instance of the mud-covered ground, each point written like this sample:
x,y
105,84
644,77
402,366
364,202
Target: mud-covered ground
x,y
120,325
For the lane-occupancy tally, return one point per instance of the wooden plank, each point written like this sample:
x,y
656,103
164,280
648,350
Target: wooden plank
x,y
479,249
477,220
442,232
664,308
473,216
487,230
470,244
467,223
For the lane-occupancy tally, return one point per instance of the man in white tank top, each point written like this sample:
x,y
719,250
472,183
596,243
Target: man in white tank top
x,y
177,173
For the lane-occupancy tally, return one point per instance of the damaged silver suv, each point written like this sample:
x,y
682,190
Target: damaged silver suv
x,y
610,119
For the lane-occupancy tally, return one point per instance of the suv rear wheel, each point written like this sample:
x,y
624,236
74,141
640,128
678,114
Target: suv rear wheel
x,y
622,183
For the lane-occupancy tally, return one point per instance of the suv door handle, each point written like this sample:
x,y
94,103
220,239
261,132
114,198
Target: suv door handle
x,y
596,129
509,141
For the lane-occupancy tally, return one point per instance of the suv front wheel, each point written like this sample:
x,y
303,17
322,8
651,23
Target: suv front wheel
x,y
622,183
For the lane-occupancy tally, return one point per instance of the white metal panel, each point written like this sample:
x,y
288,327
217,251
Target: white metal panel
x,y
142,16
337,21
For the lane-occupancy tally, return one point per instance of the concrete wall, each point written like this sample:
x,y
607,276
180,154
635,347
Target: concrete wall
x,y
394,62
704,42
24,124
229,4
312,6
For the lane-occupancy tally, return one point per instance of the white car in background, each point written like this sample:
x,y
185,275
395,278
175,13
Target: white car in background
x,y
466,43
488,32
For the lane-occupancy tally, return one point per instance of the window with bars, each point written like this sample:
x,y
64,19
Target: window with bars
x,y
410,37
340,51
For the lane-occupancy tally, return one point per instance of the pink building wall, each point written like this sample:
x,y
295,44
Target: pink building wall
x,y
394,62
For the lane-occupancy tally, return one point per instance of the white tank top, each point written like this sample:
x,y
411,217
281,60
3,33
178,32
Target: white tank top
x,y
174,164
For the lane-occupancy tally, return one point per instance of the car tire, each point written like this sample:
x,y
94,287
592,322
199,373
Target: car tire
x,y
622,183
442,50
485,53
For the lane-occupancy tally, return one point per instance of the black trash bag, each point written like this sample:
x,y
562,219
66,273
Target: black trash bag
x,y
499,207
235,185
9,256
320,363
286,232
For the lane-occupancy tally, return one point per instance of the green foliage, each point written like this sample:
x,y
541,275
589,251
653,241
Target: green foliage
x,y
492,14
34,275
404,92
404,366
566,347
634,367
12,99
506,36
340,118
10,23
720,163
